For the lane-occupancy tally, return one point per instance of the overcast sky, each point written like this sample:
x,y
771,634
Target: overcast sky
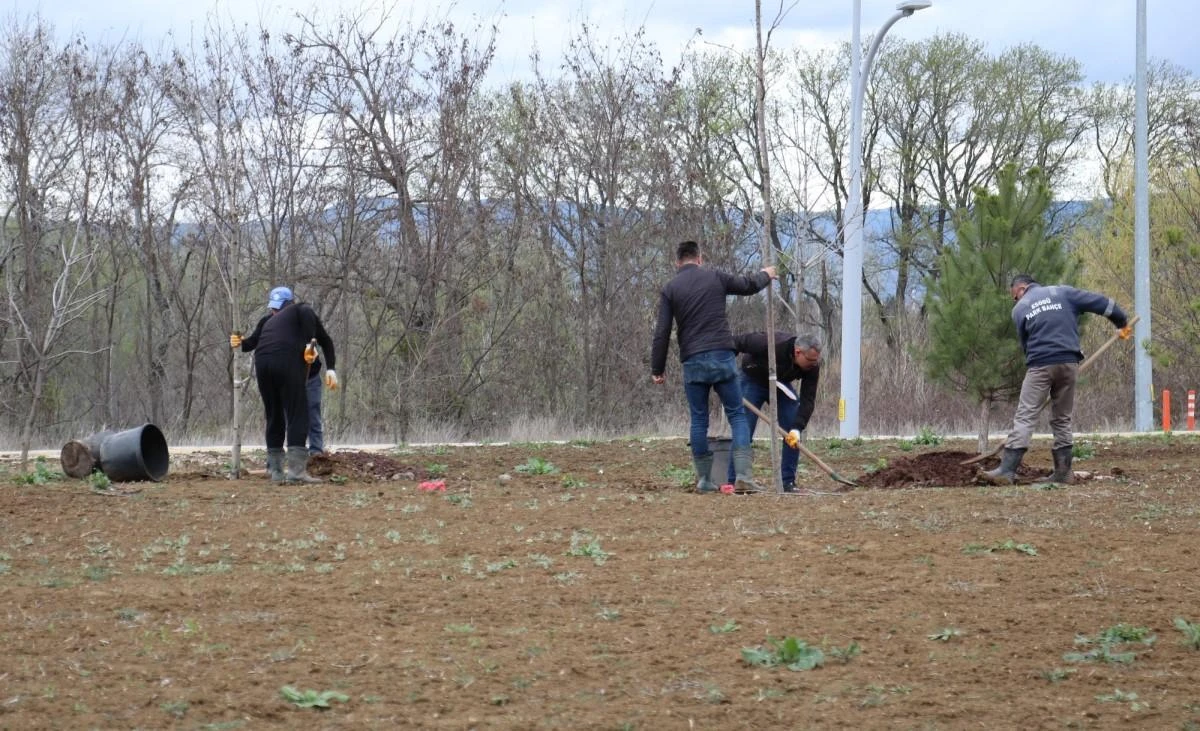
x,y
1098,33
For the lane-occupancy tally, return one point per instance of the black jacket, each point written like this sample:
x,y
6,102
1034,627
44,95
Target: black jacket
x,y
753,347
694,300
284,337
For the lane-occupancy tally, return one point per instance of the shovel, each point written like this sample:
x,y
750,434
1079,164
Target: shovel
x,y
1090,359
802,449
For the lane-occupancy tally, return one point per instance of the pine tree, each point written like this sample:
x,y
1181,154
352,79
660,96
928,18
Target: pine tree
x,y
972,341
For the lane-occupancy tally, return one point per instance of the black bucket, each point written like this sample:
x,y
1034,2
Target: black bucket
x,y
135,454
720,448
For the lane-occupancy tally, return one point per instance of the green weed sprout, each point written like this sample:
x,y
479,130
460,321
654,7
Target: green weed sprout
x,y
792,653
311,698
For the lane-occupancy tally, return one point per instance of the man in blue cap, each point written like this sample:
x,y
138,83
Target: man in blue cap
x,y
284,367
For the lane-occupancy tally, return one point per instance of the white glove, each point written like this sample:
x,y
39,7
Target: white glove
x,y
331,381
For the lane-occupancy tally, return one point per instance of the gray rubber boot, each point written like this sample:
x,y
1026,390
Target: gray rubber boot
x,y
297,467
743,467
275,464
1062,464
703,467
1006,473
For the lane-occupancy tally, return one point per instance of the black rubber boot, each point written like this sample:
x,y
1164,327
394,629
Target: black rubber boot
x,y
1006,473
297,467
743,467
275,465
1062,464
703,467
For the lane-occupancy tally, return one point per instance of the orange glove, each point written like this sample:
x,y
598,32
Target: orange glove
x,y
331,381
793,438
235,340
1126,332
310,352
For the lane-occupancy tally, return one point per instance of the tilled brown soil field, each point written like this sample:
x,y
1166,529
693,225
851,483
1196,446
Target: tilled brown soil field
x,y
582,586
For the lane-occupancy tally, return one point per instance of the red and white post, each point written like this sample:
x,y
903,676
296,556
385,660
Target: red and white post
x,y
1191,412
1166,410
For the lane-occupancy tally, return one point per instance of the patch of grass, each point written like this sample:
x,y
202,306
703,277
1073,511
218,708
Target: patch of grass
x,y
459,499
537,466
788,652
359,500
436,469
96,573
844,654
1191,632
976,549
175,708
1111,645
724,629
572,483
1057,675
1083,450
1121,696
311,698
498,566
465,628
679,476
839,550
541,560
41,474
587,545
946,634
927,437
876,466
567,577
1152,511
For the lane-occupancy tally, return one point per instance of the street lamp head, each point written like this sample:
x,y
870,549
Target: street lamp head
x,y
908,7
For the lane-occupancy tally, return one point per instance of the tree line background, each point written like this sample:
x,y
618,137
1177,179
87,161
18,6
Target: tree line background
x,y
489,259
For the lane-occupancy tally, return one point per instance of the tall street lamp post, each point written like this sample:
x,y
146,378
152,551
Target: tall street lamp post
x,y
852,225
1143,381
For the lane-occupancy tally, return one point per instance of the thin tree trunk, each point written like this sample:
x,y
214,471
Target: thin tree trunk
x,y
985,412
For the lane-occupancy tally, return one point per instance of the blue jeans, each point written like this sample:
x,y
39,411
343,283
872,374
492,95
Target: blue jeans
x,y
756,393
714,370
316,432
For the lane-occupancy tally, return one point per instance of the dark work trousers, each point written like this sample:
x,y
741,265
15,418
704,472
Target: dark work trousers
x,y
281,383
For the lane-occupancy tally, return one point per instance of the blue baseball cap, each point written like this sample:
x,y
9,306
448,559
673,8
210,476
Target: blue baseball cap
x,y
279,297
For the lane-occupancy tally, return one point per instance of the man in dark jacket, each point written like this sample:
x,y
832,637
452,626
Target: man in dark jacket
x,y
797,357
1047,320
694,301
282,371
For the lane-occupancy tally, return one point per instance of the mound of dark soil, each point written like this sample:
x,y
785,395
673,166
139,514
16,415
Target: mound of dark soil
x,y
939,469
354,465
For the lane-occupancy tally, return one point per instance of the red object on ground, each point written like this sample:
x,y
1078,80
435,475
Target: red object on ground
x,y
433,486
727,489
